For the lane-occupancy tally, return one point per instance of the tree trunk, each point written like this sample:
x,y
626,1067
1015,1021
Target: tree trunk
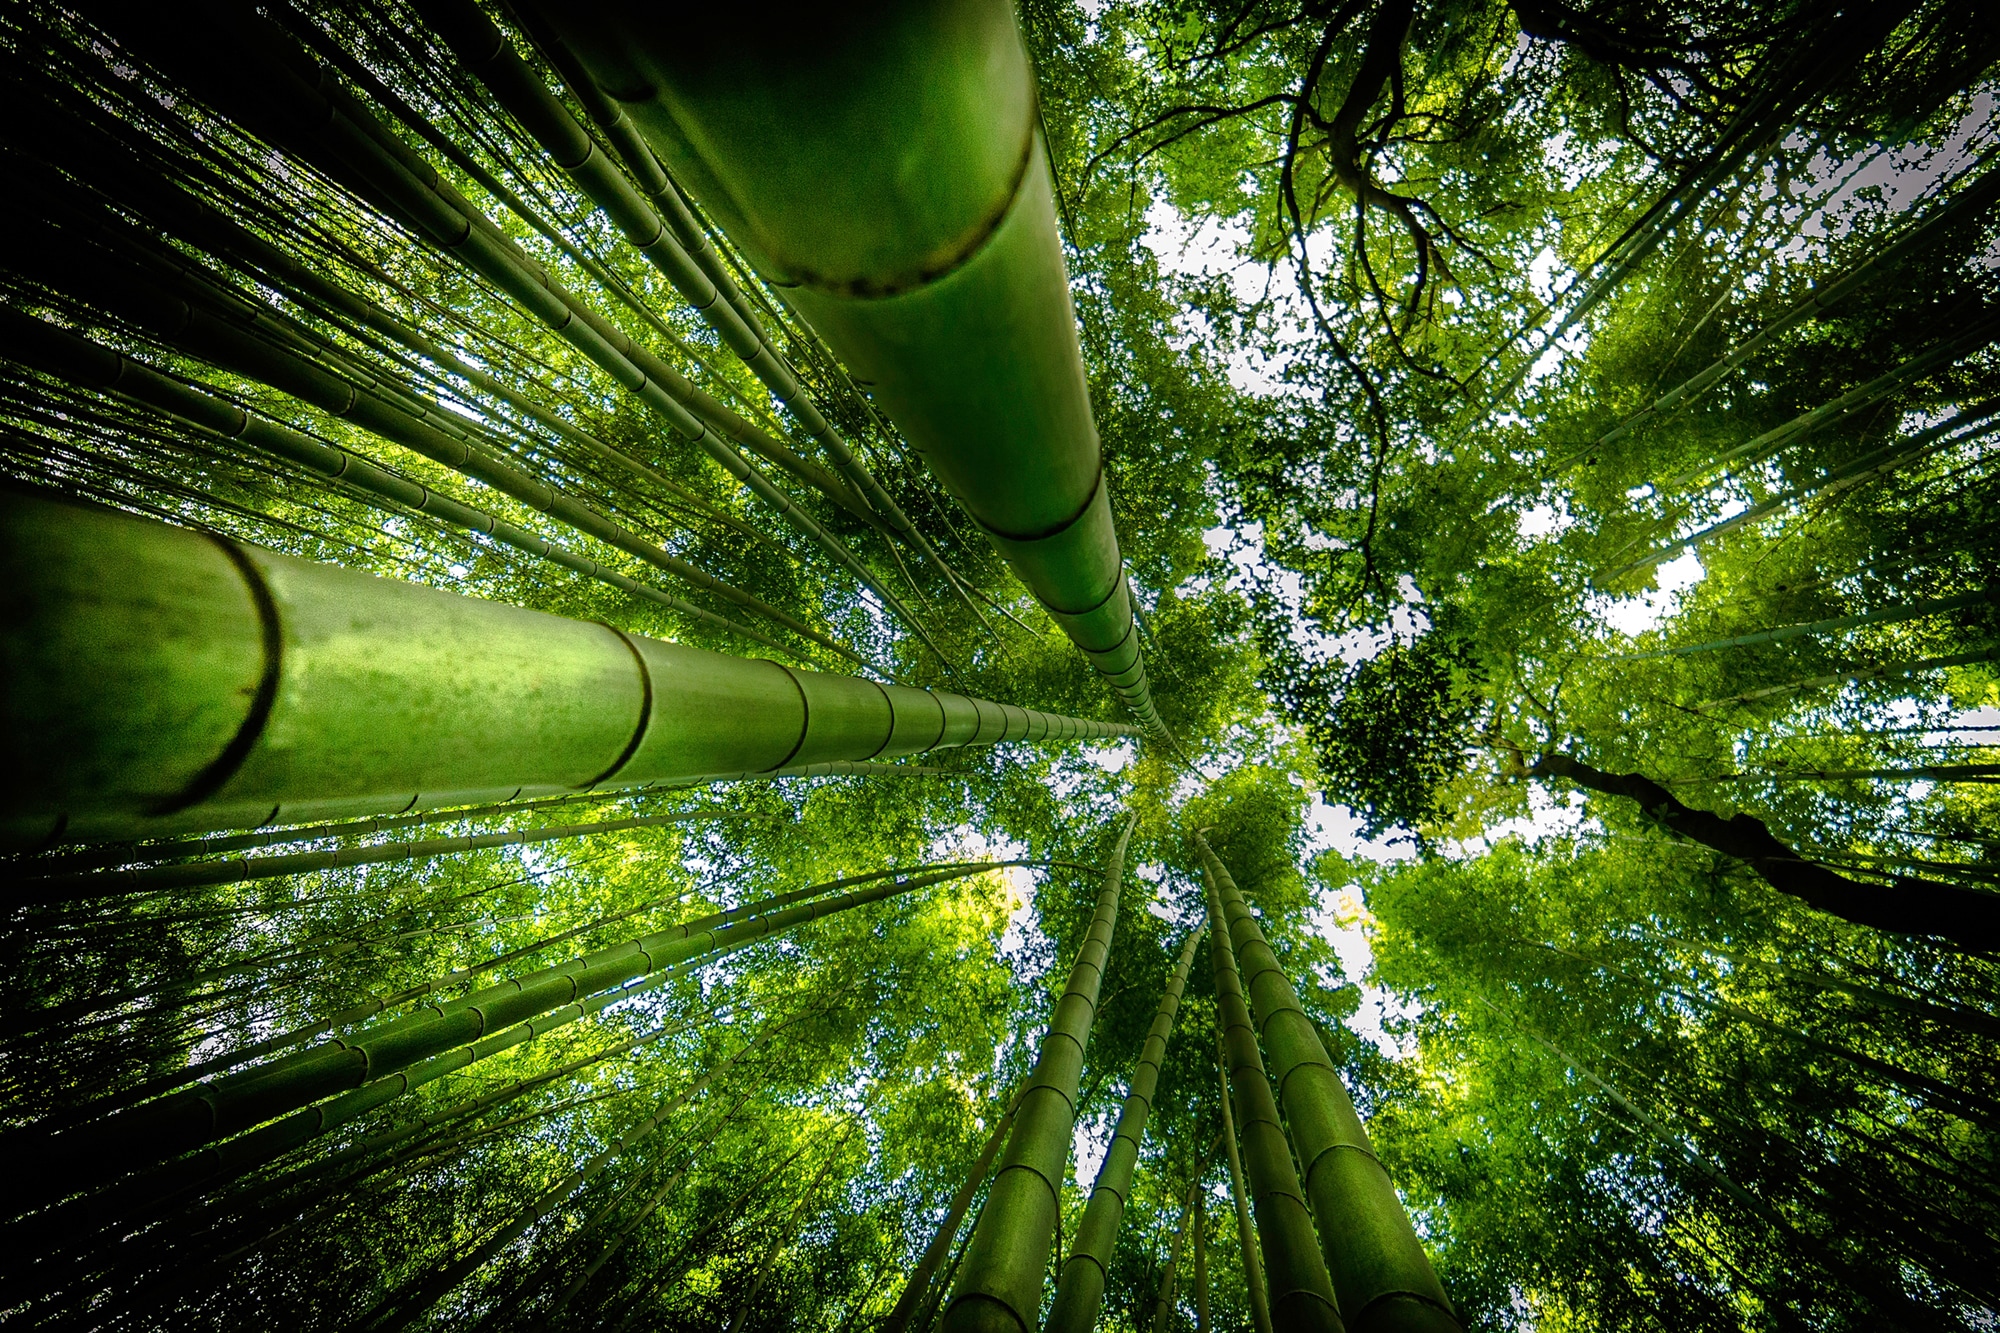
x,y
1969,918
162,680
983,373
1379,1269
1006,1263
918,1284
1301,1293
1080,1288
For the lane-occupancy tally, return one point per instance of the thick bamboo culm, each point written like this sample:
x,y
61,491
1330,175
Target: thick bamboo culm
x,y
1380,1272
1006,1263
245,64
161,681
1300,1291
910,219
1080,1288
487,51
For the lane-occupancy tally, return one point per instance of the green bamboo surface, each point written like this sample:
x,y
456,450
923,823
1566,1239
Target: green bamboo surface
x,y
481,45
918,1284
166,682
1006,1263
41,344
1246,1230
1300,1291
1080,1288
1379,1269
911,220
379,1063
247,63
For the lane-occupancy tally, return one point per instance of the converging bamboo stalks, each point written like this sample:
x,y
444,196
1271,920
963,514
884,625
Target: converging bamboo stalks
x,y
1379,1270
490,488
379,1064
950,300
1006,1260
1300,1294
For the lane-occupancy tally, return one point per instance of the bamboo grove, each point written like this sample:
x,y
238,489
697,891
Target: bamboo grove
x,y
970,666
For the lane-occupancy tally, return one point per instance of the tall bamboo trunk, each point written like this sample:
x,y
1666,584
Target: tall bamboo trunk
x,y
1163,1306
159,680
1300,1292
1246,1231
286,1096
883,167
918,1284
480,44
1201,1262
1006,1262
1080,1288
1379,1269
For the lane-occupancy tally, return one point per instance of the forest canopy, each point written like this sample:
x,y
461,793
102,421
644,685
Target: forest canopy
x,y
1192,578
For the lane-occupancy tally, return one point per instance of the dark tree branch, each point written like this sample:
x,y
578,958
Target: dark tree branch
x,y
1969,918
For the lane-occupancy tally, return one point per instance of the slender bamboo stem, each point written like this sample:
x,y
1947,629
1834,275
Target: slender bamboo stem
x,y
1080,1288
1164,1303
1007,1260
383,1062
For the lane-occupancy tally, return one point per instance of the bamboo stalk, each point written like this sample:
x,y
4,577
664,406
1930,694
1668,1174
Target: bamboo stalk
x,y
1007,1259
398,178
1163,1305
361,1013
1888,615
483,48
949,298
1080,1287
1971,199
372,1062
1870,467
203,331
240,870
1939,355
918,1285
1379,1269
1201,1262
1300,1292
1858,673
166,682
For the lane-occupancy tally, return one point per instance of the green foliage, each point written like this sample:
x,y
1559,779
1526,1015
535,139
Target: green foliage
x,y
1390,498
